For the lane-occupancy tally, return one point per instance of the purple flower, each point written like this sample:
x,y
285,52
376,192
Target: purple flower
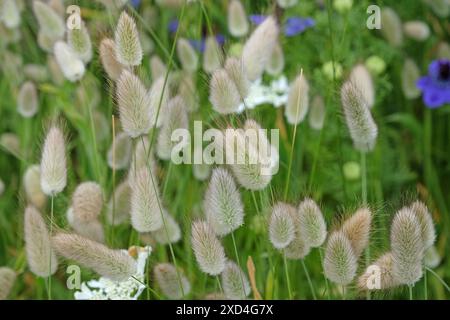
x,y
173,25
296,25
292,26
135,3
436,85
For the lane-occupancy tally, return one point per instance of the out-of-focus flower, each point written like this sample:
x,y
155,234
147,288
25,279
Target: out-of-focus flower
x,y
352,170
106,289
199,45
342,6
135,3
435,86
292,27
327,70
376,65
173,25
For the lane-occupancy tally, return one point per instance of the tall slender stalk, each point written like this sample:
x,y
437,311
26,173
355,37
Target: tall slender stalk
x,y
311,287
49,287
239,264
288,281
410,292
364,201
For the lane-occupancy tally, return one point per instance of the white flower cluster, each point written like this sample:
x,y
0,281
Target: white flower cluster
x,y
105,289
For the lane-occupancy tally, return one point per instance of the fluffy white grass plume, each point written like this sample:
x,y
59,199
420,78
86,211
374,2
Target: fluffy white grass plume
x,y
357,229
134,103
391,27
142,157
432,257
275,65
55,71
187,55
387,281
45,42
188,92
40,256
159,98
11,143
202,171
287,3
50,23
235,70
312,223
360,77
91,229
259,47
71,66
208,250
224,94
112,67
119,154
113,4
281,226
360,123
212,56
417,30
171,233
145,202
53,162
222,205
176,118
126,37
410,74
298,248
234,282
10,14
340,262
87,201
27,100
80,42
237,19
316,116
157,67
298,100
116,265
36,72
7,279
119,205
168,281
426,223
407,247
32,186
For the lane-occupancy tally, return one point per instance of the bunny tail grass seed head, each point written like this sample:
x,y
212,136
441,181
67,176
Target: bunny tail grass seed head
x,y
312,223
80,42
275,65
340,262
133,102
207,248
360,77
259,47
224,95
157,67
298,100
145,202
410,75
237,19
159,99
432,258
53,162
222,204
171,233
27,100
168,281
382,267
407,247
7,279
119,205
92,229
235,70
281,226
32,186
115,265
212,56
391,27
234,282
50,23
176,118
357,230
287,3
360,123
187,55
297,248
87,201
40,256
127,44
317,113
113,68
417,30
189,93
71,66
119,154
10,14
426,223
141,157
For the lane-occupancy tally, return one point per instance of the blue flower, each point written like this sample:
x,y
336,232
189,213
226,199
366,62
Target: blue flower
x,y
436,85
292,26
135,3
173,26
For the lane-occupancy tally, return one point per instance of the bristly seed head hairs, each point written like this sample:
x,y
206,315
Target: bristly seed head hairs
x,y
357,230
224,94
426,223
234,281
167,278
281,226
298,100
312,223
87,201
108,57
128,47
340,262
7,279
237,19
